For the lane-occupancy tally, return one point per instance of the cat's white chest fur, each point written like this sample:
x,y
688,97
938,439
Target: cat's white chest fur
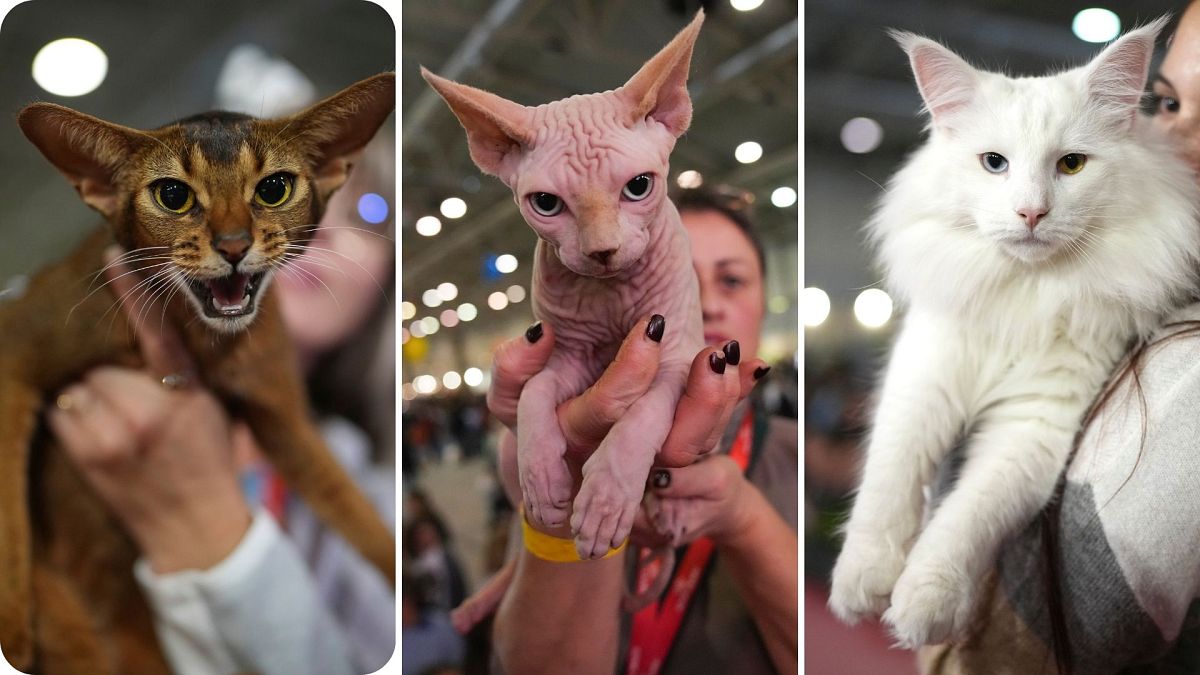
x,y
1042,228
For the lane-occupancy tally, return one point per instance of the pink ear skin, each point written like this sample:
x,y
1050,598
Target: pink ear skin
x,y
1116,78
658,91
496,127
946,82
85,149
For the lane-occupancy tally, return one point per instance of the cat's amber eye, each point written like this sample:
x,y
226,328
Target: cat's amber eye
x,y
993,162
1071,164
546,204
638,188
173,195
274,189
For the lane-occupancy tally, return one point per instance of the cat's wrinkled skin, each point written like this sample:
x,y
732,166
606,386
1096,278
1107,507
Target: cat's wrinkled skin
x,y
68,599
1025,279
613,255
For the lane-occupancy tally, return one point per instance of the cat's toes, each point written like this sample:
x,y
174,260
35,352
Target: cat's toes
x,y
929,606
602,519
863,579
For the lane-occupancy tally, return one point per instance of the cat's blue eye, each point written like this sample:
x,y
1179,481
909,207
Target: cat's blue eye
x,y
638,188
993,162
545,204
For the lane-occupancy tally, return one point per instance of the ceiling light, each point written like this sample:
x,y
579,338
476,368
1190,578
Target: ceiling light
x,y
447,291
745,5
430,325
783,197
690,180
416,329
861,135
748,152
515,293
467,312
873,308
506,263
1096,25
431,298
814,304
473,377
497,301
372,208
449,318
407,310
70,67
453,207
451,380
425,384
427,226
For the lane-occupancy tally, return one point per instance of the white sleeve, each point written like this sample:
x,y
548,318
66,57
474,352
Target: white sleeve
x,y
257,610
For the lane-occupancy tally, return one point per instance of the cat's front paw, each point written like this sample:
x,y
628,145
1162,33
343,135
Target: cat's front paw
x,y
863,577
604,513
930,604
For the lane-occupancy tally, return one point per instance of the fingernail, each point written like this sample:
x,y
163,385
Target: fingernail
x,y
534,332
654,330
661,478
761,372
717,362
733,352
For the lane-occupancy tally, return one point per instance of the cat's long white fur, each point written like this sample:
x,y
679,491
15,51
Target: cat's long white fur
x,y
1004,341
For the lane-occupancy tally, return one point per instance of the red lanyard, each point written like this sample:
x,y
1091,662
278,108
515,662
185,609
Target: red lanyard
x,y
655,626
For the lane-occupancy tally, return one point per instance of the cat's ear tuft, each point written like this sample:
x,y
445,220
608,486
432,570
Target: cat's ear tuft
x,y
495,126
87,150
658,90
1116,78
339,127
946,82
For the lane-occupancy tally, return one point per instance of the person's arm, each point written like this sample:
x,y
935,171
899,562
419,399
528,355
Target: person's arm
x,y
713,498
564,616
162,459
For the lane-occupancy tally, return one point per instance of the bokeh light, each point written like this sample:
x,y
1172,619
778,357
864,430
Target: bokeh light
x,y
467,312
372,208
506,263
814,304
453,207
748,152
873,308
497,300
690,180
428,226
515,293
783,197
1096,24
70,67
861,135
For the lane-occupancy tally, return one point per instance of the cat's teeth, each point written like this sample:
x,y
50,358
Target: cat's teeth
x,y
232,309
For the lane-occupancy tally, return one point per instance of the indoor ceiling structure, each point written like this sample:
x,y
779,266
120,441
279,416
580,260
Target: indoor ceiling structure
x,y
743,82
853,69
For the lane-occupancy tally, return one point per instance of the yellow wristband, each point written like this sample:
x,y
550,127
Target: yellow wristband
x,y
555,549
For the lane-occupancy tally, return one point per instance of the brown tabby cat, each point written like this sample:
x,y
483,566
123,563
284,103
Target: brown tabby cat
x,y
224,199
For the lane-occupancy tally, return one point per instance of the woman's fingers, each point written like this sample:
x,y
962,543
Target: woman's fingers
x,y
513,363
160,344
703,410
586,419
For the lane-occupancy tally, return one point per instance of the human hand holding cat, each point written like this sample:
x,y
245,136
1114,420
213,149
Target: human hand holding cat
x,y
162,459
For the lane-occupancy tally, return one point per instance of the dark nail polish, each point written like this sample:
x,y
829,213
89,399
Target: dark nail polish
x,y
661,479
534,332
717,362
761,372
654,330
733,352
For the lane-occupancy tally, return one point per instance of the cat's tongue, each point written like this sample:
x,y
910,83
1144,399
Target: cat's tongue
x,y
229,292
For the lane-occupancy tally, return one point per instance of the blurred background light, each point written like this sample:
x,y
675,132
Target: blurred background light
x,y
425,384
451,380
372,208
428,226
449,318
861,135
453,207
416,329
473,377
506,263
1096,24
467,311
745,5
447,291
873,308
497,300
407,310
778,304
814,305
690,180
70,67
430,325
431,298
515,293
783,197
748,152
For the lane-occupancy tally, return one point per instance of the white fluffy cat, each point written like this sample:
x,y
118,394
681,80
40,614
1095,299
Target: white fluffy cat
x,y
1042,227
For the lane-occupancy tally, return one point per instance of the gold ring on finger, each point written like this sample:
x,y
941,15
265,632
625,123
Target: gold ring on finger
x,y
175,381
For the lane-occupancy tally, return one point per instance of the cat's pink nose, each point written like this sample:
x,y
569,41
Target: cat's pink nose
x,y
602,257
1032,215
233,247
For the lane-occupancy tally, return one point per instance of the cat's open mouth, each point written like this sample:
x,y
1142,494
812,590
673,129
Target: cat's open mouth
x,y
229,296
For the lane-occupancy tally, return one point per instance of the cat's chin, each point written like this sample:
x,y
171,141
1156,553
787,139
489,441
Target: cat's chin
x,y
1030,249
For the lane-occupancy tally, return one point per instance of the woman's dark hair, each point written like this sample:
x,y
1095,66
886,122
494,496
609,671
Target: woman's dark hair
x,y
736,205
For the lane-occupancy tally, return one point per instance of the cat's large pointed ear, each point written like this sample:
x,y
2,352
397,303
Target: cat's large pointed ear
x,y
87,150
337,129
659,89
495,125
1116,78
946,82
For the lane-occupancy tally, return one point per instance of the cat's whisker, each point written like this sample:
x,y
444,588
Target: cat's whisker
x,y
356,263
101,286
318,280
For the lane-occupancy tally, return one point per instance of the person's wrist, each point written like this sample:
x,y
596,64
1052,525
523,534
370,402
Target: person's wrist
x,y
197,536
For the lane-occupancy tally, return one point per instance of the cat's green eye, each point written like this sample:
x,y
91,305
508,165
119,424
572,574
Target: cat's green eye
x,y
274,189
1071,164
174,196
